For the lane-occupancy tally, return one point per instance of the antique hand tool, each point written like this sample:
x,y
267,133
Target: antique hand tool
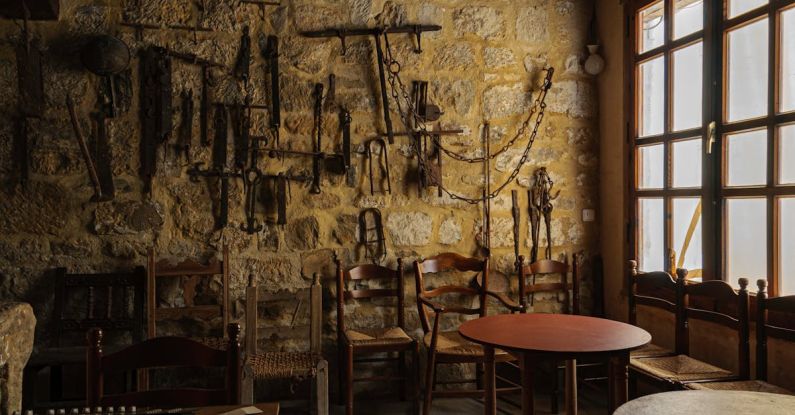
x,y
252,178
81,141
317,142
186,125
516,223
207,82
382,161
426,111
243,63
384,95
271,54
219,156
541,205
103,152
140,27
107,57
371,235
155,108
350,172
223,177
486,229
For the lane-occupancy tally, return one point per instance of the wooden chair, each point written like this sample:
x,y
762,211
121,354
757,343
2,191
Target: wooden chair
x,y
163,352
710,301
113,302
368,341
650,289
785,307
570,304
270,365
191,273
448,347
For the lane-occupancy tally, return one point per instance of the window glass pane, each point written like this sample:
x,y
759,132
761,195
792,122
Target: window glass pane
x,y
787,93
687,163
786,246
786,154
688,17
651,167
746,242
651,234
746,155
652,23
747,71
687,86
687,233
651,97
738,7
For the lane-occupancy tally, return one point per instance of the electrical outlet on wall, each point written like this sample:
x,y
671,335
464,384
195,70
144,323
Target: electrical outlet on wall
x,y
588,215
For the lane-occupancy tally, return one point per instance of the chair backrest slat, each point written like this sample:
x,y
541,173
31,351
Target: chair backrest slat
x,y
163,352
368,272
191,271
783,310
451,262
130,317
544,267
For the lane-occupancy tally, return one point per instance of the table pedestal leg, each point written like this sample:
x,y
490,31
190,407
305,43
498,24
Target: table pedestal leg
x,y
490,383
527,366
618,381
571,387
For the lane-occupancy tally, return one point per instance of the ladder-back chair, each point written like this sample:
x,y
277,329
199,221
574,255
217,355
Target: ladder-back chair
x,y
163,352
650,289
270,365
711,301
448,347
390,339
782,310
191,273
113,302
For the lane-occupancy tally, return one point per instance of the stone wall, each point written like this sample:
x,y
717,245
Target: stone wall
x,y
485,64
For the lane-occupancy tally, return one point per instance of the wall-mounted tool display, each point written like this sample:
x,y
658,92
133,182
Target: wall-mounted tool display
x,y
378,160
81,141
155,108
371,235
243,63
541,198
377,33
271,55
109,58
208,81
428,112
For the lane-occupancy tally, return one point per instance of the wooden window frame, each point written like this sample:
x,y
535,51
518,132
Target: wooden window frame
x,y
713,192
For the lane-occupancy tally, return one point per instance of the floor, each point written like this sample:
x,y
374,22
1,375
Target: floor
x,y
590,403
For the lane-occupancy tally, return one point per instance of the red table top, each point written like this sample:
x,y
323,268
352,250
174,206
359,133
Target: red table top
x,y
554,333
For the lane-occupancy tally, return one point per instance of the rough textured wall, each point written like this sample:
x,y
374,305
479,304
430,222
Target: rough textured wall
x,y
484,65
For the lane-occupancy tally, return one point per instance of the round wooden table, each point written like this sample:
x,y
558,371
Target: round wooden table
x,y
559,337
710,403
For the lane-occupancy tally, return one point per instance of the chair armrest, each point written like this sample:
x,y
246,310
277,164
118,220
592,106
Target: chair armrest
x,y
507,302
437,308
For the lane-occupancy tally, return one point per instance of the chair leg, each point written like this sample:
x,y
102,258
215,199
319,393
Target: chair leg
x,y
554,395
430,380
416,389
349,380
341,370
247,385
321,388
402,374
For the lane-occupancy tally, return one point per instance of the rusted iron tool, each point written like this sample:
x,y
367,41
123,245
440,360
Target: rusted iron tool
x,y
350,172
271,54
219,156
541,198
516,224
382,161
426,111
81,141
371,235
486,230
243,63
155,108
384,95
318,137
186,125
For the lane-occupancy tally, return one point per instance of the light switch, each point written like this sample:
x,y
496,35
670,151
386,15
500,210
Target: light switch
x,y
588,215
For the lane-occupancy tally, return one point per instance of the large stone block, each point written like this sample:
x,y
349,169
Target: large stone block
x,y
409,228
302,234
532,24
17,324
484,22
505,100
38,209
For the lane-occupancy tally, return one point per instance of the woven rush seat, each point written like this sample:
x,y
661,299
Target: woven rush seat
x,y
377,337
650,350
742,385
281,365
451,343
679,368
